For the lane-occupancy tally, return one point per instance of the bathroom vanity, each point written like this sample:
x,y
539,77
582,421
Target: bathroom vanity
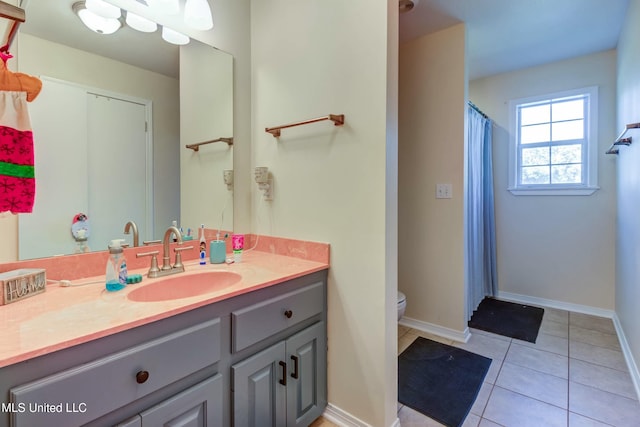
x,y
247,357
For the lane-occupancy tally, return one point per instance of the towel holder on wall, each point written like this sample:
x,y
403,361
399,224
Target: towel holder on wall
x,y
196,147
15,14
620,140
337,119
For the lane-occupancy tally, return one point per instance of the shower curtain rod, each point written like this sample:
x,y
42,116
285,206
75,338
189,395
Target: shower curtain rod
x,y
475,107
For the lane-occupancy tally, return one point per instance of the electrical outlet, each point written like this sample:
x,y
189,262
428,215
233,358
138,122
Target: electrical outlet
x,y
443,191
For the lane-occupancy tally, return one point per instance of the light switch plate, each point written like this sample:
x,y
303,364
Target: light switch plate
x,y
443,191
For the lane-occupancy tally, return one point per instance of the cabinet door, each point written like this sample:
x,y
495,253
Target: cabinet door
x,y
198,406
259,384
307,382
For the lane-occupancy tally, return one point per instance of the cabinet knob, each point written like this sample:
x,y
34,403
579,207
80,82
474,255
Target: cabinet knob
x,y
142,377
288,314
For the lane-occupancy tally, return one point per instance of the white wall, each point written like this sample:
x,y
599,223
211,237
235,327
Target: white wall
x,y
310,59
432,112
628,227
206,113
559,248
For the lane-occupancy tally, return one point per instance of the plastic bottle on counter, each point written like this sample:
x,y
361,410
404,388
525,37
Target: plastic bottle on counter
x,y
116,272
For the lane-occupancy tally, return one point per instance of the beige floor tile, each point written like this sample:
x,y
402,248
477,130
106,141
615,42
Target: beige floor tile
x,y
550,343
472,420
576,420
556,315
598,355
481,400
539,360
486,423
402,330
556,329
494,370
601,324
484,345
411,418
537,385
321,422
602,378
592,337
405,341
510,409
603,406
489,334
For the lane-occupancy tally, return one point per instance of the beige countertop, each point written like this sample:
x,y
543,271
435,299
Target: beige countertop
x,y
63,317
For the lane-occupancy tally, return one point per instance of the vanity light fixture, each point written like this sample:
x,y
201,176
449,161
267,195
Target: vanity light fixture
x,y
168,7
95,22
104,9
197,14
174,37
139,23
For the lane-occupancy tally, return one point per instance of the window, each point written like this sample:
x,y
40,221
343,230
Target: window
x,y
554,149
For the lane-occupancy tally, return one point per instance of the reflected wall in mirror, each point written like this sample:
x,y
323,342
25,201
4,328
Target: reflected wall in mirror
x,y
127,67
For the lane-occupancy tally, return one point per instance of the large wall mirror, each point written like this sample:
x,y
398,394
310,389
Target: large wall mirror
x,y
110,129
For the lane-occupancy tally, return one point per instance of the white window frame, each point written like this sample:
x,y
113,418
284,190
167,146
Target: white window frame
x,y
590,154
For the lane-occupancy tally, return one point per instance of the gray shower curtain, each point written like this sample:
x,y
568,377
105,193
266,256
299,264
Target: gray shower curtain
x,y
480,240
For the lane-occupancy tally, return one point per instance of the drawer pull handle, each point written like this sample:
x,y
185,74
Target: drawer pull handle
x,y
288,314
142,377
283,381
294,374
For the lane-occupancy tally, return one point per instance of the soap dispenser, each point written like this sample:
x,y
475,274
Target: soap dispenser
x,y
116,272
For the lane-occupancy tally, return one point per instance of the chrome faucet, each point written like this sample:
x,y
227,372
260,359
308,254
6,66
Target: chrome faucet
x,y
132,225
167,268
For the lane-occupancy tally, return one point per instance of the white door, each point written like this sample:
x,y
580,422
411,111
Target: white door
x,y
117,172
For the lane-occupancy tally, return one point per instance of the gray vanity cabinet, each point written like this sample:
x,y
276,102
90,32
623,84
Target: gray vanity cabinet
x,y
284,385
198,406
256,359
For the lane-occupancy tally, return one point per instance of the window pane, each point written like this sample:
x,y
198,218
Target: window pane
x,y
566,174
563,131
535,114
568,110
535,156
566,154
535,175
534,133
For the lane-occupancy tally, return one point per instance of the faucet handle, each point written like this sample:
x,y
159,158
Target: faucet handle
x,y
153,270
151,242
178,263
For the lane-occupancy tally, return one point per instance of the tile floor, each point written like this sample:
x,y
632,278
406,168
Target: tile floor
x,y
573,376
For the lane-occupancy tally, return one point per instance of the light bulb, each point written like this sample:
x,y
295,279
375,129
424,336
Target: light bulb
x,y
174,37
104,9
95,22
139,23
197,14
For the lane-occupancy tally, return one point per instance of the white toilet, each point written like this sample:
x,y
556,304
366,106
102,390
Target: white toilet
x,y
402,304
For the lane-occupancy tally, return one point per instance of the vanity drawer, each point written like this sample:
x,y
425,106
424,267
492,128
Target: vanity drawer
x,y
88,391
259,321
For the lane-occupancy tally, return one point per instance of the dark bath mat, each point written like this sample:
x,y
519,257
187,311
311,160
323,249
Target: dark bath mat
x,y
507,318
440,381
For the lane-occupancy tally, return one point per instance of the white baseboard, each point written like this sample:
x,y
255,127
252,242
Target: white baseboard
x,y
585,309
345,419
561,305
628,356
441,331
